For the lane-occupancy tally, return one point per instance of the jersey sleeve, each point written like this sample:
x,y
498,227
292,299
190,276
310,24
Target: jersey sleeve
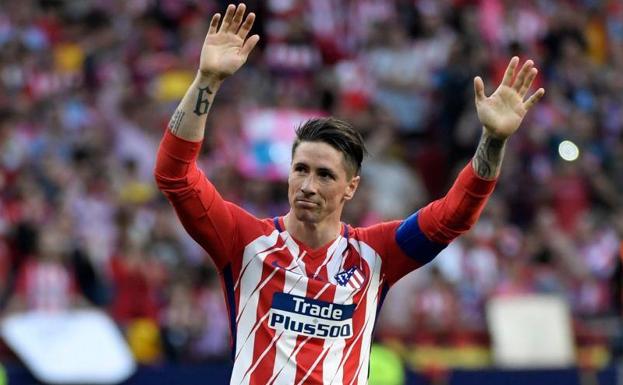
x,y
409,244
401,245
443,220
206,216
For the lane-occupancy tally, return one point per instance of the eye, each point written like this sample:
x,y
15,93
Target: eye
x,y
299,168
325,175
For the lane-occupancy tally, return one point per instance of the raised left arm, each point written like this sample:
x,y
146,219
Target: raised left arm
x,y
501,114
426,232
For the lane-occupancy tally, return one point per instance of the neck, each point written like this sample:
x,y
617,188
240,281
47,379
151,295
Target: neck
x,y
313,235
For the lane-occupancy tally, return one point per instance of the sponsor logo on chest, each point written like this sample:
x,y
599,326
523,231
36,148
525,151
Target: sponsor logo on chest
x,y
311,317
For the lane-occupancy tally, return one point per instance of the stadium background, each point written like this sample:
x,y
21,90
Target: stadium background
x,y
89,85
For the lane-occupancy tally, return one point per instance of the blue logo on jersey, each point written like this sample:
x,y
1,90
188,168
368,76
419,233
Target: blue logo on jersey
x,y
278,266
311,317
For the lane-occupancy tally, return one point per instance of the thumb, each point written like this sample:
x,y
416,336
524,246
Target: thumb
x,y
479,89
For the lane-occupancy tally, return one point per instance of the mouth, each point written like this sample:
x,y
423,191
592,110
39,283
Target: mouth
x,y
303,203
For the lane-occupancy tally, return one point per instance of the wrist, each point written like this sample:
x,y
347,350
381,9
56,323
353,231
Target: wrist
x,y
208,78
493,135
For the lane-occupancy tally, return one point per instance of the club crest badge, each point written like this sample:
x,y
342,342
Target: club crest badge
x,y
352,278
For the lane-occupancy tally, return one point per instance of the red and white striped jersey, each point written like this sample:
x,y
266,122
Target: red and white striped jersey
x,y
302,316
298,316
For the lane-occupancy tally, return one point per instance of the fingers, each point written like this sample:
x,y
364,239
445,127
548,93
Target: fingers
x,y
232,21
523,74
229,16
214,23
237,20
246,26
524,80
510,71
249,44
527,83
534,98
479,89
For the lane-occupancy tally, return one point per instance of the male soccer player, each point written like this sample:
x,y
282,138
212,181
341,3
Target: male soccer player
x,y
303,290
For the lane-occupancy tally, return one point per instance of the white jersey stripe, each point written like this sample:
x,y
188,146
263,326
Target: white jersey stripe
x,y
246,320
361,376
259,322
257,326
336,264
270,243
330,253
267,279
372,298
288,375
324,288
331,368
287,344
295,251
266,355
374,272
244,268
257,290
357,373
259,359
263,256
291,356
349,351
321,357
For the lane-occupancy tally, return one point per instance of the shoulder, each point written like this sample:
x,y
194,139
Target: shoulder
x,y
380,237
401,237
382,231
250,226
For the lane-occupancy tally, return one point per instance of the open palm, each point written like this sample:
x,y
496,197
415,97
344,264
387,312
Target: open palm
x,y
502,112
227,48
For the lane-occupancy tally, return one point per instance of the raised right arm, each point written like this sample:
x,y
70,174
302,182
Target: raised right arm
x,y
202,211
224,51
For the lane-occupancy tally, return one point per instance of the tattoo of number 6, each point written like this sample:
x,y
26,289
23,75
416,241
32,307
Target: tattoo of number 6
x,y
203,103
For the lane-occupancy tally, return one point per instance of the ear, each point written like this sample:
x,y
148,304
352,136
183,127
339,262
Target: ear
x,y
352,187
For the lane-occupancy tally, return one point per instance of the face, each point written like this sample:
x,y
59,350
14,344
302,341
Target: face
x,y
319,183
51,246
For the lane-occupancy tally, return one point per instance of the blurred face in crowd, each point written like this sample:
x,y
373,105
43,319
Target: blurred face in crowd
x,y
51,245
320,182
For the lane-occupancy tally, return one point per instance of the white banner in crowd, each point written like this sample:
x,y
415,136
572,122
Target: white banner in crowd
x,y
77,347
532,331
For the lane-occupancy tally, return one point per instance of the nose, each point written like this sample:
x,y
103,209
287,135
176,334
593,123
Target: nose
x,y
308,187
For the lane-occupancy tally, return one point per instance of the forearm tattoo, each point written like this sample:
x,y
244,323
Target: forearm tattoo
x,y
176,121
488,158
203,101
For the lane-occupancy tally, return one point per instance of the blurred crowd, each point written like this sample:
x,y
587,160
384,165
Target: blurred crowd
x,y
88,86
